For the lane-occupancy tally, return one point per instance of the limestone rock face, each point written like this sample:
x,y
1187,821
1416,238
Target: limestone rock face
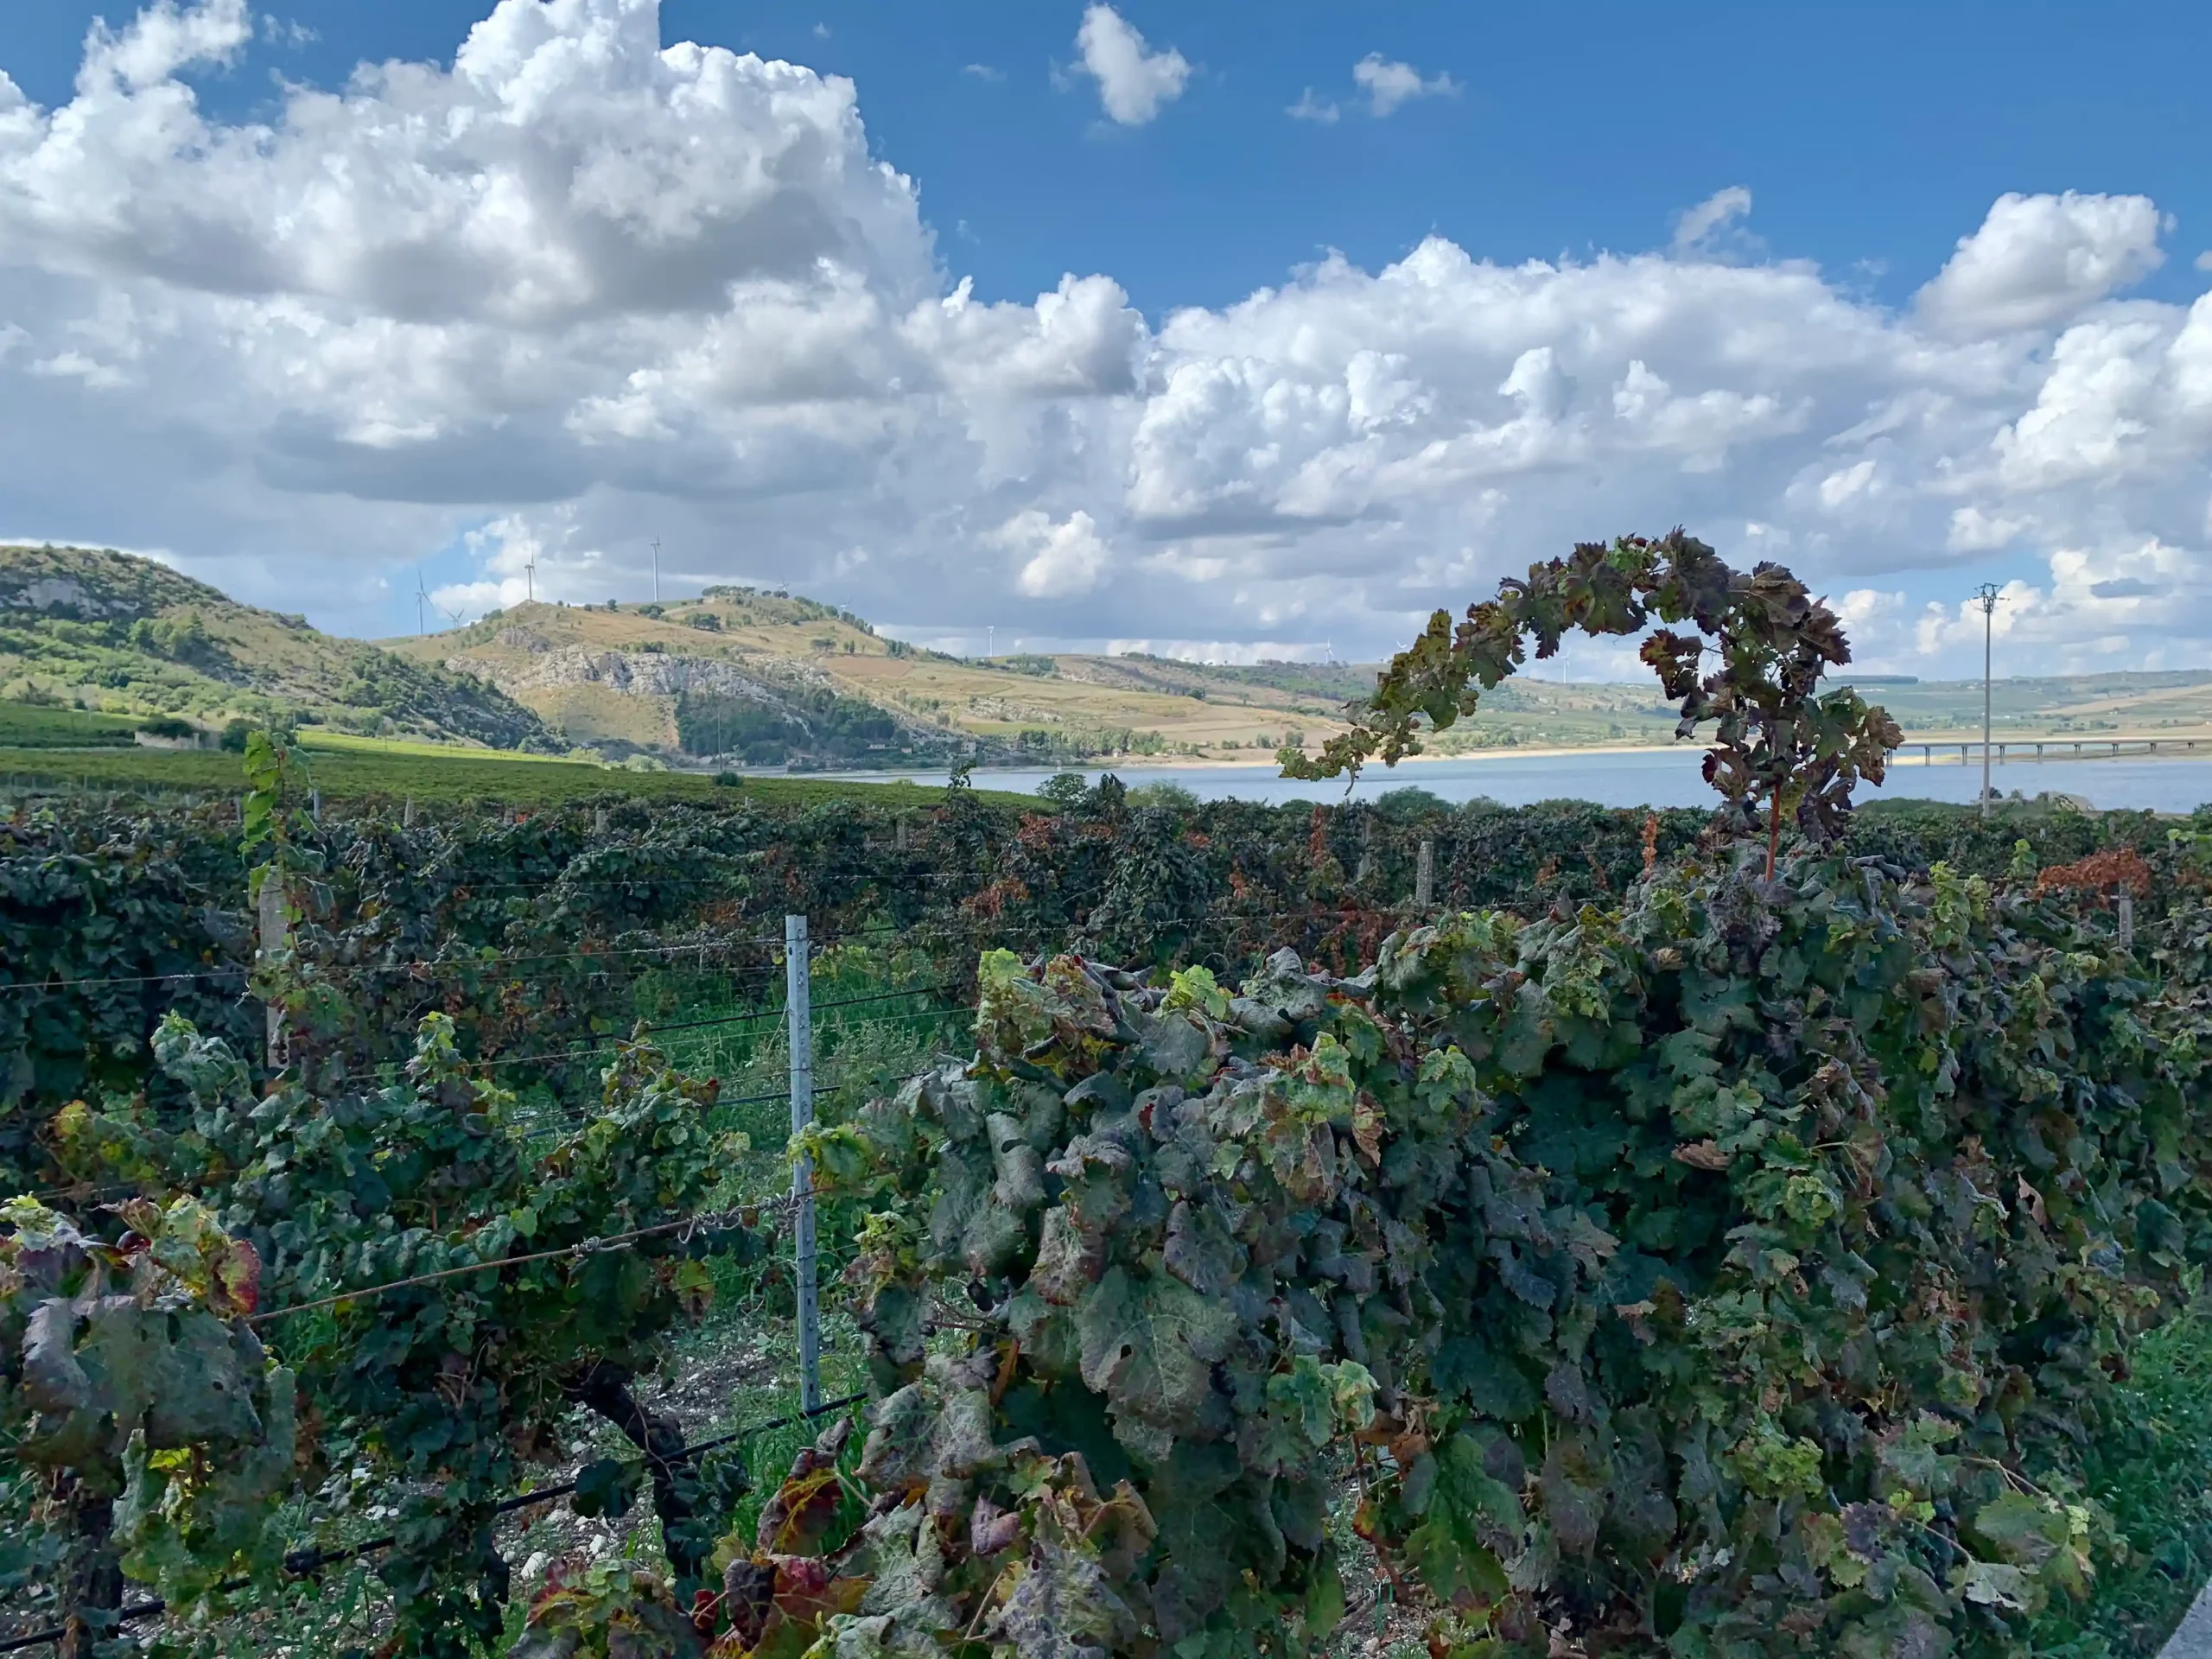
x,y
638,674
61,594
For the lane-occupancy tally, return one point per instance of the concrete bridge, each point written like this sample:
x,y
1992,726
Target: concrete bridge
x,y
1937,752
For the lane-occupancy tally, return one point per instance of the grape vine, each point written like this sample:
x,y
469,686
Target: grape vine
x,y
1779,746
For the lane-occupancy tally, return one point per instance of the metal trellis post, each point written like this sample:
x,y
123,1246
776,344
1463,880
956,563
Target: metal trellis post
x,y
273,932
798,1002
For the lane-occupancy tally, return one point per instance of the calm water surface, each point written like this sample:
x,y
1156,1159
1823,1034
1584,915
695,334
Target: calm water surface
x,y
1652,778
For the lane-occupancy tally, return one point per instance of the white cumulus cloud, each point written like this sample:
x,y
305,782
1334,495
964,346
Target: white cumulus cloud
x,y
1135,82
1058,560
578,286
1707,230
1391,86
2039,260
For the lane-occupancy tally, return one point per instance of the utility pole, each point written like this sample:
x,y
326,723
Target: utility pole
x,y
655,569
1987,594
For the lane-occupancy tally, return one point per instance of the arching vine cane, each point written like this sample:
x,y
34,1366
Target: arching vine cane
x,y
1782,748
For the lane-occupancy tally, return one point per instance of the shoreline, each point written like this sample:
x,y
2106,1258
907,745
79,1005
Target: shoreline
x,y
1179,762
1899,759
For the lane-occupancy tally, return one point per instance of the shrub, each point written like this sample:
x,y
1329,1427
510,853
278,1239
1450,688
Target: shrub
x,y
1410,804
1174,796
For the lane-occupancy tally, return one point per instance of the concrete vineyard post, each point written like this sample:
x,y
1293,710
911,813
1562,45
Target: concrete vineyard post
x,y
798,1005
2124,907
1425,875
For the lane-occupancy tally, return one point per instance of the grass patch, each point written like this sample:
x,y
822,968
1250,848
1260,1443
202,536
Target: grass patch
x,y
320,740
390,773
2154,1474
37,726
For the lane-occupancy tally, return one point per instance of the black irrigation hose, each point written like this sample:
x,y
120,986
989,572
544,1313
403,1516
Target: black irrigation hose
x,y
301,1562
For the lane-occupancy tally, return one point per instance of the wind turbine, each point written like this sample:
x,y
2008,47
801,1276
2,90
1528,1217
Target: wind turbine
x,y
655,569
529,576
456,616
422,598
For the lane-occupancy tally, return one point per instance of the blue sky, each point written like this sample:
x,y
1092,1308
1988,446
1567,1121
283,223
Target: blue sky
x,y
1120,503
1870,135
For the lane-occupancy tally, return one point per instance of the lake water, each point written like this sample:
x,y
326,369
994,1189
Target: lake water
x,y
1650,778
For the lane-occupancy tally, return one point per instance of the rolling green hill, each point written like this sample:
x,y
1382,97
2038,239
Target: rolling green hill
x,y
2178,704
743,676
602,673
123,636
94,644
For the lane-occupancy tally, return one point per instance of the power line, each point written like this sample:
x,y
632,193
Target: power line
x,y
569,1117
448,964
711,1221
598,1045
458,964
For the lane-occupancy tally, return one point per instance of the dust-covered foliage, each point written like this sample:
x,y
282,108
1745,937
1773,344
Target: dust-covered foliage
x,y
445,1280
149,1432
1738,1270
